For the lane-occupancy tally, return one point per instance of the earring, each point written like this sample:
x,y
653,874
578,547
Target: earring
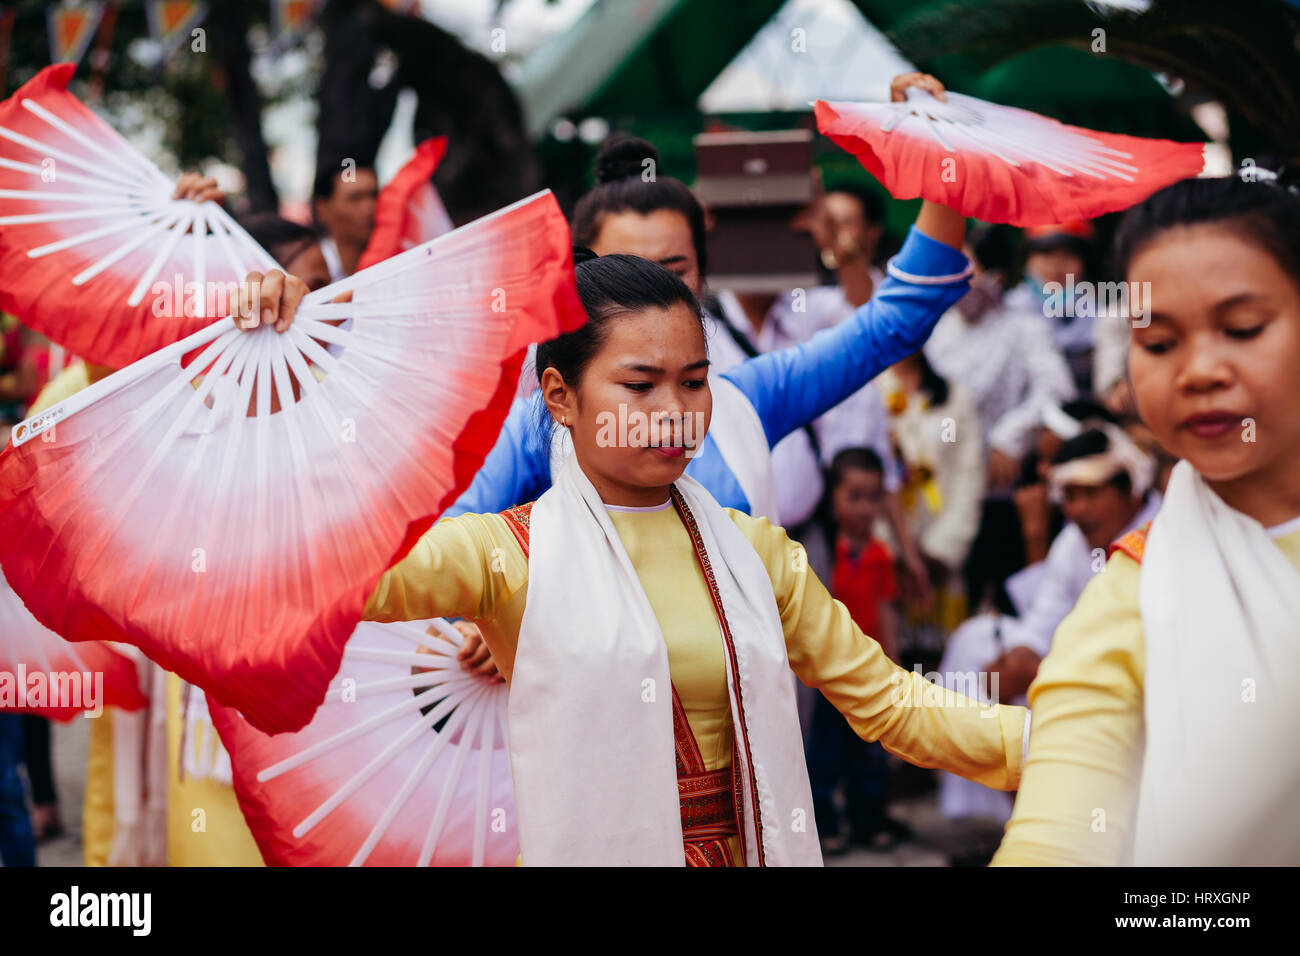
x,y
564,421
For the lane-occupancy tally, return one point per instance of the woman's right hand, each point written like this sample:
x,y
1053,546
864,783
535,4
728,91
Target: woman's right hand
x,y
269,298
474,656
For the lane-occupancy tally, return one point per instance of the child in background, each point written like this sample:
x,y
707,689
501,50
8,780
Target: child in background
x,y
863,581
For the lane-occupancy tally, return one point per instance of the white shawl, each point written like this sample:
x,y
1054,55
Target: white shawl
x,y
591,730
1220,603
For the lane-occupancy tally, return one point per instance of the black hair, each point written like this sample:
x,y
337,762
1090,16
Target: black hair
x,y
1264,213
994,247
621,186
1087,409
1093,441
608,286
934,385
863,459
873,207
278,235
326,180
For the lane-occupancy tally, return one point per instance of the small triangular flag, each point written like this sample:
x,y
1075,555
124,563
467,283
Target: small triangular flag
x,y
71,30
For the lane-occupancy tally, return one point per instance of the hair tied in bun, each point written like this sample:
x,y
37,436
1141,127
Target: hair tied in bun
x,y
582,254
623,157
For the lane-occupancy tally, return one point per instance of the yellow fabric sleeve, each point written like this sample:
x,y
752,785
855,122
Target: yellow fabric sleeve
x,y
470,566
919,721
1078,797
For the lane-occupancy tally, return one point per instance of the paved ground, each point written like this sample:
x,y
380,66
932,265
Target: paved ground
x,y
937,840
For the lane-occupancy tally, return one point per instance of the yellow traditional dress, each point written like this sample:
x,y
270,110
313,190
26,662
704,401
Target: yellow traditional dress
x,y
1088,737
475,566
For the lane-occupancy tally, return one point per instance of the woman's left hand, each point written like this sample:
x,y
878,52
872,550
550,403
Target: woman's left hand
x,y
898,86
198,188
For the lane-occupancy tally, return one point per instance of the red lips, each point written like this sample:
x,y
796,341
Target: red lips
x,y
671,451
1211,425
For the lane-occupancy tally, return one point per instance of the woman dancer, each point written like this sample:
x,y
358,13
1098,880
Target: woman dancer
x,y
762,400
633,617
1164,728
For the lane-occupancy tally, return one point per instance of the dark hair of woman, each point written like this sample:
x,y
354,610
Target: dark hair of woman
x,y
626,182
1264,214
609,286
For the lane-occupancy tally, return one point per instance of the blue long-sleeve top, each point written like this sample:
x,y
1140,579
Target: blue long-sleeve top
x,y
788,388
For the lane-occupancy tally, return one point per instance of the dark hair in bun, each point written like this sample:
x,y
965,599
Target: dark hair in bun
x,y
623,156
626,182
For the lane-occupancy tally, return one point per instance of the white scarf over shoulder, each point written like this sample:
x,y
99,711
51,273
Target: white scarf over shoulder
x,y
1220,603
591,730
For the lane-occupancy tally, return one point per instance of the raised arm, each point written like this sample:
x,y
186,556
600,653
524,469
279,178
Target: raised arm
x,y
919,721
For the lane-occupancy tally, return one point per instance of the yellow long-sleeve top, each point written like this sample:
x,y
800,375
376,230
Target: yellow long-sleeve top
x,y
473,567
1088,728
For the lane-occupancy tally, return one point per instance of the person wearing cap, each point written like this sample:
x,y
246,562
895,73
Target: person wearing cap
x,y
1056,272
1104,483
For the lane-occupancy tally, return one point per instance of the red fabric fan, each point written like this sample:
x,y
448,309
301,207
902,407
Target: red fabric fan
x,y
235,542
396,769
41,673
94,252
409,210
999,164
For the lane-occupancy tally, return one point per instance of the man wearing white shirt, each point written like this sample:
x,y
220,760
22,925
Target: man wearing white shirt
x,y
343,205
1104,482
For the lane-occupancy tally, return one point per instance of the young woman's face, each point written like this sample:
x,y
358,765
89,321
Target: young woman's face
x,y
1216,373
642,407
663,236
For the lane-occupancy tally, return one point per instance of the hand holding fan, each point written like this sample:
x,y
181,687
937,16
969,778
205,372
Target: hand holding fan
x,y
396,768
94,251
236,545
1000,164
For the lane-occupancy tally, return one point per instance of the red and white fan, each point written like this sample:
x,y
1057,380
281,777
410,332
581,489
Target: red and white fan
x,y
1001,164
409,210
94,252
235,542
396,769
41,673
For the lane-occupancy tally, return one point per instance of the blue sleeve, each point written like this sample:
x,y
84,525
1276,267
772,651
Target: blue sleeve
x,y
515,471
791,387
